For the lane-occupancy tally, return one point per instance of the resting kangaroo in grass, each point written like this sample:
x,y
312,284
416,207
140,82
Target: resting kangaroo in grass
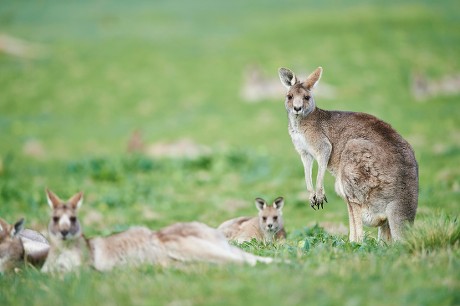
x,y
180,242
375,168
19,245
267,226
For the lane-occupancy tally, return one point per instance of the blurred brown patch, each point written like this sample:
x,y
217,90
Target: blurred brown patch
x,y
34,148
182,148
19,47
424,88
178,149
135,142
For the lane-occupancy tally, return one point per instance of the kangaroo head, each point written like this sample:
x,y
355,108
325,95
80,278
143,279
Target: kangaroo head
x,y
11,248
270,216
64,224
299,98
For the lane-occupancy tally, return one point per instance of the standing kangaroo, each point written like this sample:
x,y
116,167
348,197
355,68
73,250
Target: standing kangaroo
x,y
267,226
375,168
180,242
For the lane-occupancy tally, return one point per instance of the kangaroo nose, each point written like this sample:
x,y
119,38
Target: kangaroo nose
x,y
270,225
64,233
297,108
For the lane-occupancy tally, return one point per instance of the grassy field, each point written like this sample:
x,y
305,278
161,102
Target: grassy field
x,y
101,70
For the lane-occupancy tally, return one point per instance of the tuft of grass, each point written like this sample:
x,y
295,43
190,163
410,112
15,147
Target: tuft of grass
x,y
440,231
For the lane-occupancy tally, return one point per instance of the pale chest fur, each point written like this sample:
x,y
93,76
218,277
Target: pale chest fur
x,y
64,261
301,143
66,256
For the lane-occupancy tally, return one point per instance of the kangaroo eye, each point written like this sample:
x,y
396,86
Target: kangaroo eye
x,y
73,219
275,218
264,218
306,97
289,96
56,219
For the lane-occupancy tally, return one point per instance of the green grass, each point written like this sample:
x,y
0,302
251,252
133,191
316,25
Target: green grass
x,y
175,71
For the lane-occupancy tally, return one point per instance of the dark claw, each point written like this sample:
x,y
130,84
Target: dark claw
x,y
313,202
322,205
325,199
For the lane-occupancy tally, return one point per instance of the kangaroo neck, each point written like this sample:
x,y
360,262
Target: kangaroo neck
x,y
295,121
76,243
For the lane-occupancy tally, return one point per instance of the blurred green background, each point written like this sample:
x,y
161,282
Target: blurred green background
x,y
106,96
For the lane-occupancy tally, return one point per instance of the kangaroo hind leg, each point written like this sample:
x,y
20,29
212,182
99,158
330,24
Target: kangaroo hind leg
x,y
356,222
384,233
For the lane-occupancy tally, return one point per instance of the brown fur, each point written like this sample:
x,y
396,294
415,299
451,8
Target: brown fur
x,y
182,242
36,247
19,246
375,168
267,226
11,247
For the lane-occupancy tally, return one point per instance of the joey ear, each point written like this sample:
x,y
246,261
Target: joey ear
x,y
313,78
18,227
287,77
76,200
53,200
278,203
260,204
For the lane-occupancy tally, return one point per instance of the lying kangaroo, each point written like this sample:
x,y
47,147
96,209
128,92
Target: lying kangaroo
x,y
375,168
19,245
183,242
267,226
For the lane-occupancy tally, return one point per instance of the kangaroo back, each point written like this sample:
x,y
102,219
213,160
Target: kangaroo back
x,y
133,247
241,229
177,243
194,241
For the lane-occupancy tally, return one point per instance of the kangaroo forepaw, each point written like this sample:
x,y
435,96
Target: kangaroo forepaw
x,y
317,200
312,205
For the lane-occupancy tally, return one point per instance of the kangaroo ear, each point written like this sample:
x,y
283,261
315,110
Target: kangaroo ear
x,y
278,203
53,200
287,77
76,200
260,204
313,78
18,227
